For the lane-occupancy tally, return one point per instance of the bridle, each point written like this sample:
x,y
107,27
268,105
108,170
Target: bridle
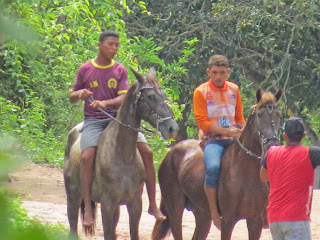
x,y
139,97
157,118
270,107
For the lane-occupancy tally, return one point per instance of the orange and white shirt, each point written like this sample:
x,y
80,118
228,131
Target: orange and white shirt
x,y
220,106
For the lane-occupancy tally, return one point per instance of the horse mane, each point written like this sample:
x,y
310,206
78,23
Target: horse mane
x,y
266,97
145,79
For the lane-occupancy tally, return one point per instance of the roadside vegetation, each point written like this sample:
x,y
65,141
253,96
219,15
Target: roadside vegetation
x,y
270,44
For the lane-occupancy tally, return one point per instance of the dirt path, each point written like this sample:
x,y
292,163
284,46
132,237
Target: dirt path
x,y
42,191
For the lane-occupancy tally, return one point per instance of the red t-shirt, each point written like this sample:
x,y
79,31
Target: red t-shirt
x,y
105,82
291,177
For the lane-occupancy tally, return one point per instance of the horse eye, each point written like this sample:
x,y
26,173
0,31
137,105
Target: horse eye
x,y
151,97
259,114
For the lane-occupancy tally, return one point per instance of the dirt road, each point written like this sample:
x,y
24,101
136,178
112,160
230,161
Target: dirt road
x,y
42,191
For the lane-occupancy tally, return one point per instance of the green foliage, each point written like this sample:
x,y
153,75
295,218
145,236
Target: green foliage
x,y
270,44
10,156
15,224
36,84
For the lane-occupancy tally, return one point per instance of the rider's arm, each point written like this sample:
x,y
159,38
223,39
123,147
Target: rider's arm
x,y
239,118
115,102
200,111
76,96
79,91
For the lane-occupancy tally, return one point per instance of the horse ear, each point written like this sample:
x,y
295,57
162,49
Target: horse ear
x,y
138,76
153,72
278,94
258,95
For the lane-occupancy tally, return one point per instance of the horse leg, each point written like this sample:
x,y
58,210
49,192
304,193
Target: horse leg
x,y
203,225
254,227
110,217
173,200
134,210
73,204
227,225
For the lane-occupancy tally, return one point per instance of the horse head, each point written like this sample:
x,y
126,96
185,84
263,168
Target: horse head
x,y
265,118
150,104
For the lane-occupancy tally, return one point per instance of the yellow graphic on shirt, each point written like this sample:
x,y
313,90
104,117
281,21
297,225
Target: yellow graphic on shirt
x,y
112,83
94,84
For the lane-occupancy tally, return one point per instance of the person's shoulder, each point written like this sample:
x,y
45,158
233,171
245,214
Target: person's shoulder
x,y
314,153
119,65
315,149
202,85
232,85
86,65
275,148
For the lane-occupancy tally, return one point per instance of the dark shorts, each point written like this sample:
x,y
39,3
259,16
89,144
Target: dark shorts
x,y
92,129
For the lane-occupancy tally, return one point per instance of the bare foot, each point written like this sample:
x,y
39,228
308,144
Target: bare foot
x,y
217,222
156,213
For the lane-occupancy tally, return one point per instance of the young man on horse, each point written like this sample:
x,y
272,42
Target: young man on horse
x,y
218,109
103,83
290,171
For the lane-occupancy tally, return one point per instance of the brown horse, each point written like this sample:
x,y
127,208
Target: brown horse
x,y
241,194
118,171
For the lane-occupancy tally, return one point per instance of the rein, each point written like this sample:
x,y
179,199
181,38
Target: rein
x,y
138,97
109,115
252,154
270,108
155,115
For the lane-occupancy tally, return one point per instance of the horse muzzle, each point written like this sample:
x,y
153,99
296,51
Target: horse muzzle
x,y
168,128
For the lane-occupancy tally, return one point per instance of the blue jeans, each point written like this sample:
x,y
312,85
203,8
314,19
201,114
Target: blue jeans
x,y
212,157
293,230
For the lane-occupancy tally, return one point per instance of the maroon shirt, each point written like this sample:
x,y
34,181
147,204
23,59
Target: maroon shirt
x,y
105,82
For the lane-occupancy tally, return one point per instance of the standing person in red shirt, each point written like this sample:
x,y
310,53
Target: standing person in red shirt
x,y
106,81
290,171
217,108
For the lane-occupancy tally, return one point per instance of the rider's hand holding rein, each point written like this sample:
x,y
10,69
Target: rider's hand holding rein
x,y
99,104
233,132
82,94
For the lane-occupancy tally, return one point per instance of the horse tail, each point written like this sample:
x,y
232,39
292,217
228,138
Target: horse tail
x,y
161,227
89,230
72,137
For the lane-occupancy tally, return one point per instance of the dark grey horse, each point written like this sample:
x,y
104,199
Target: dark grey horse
x,y
119,171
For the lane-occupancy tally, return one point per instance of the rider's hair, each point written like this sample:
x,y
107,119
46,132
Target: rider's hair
x,y
218,60
294,129
106,34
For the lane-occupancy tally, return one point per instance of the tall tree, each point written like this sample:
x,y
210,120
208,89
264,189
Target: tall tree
x,y
272,44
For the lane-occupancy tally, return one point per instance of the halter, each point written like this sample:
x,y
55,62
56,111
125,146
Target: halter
x,y
154,115
270,107
139,97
